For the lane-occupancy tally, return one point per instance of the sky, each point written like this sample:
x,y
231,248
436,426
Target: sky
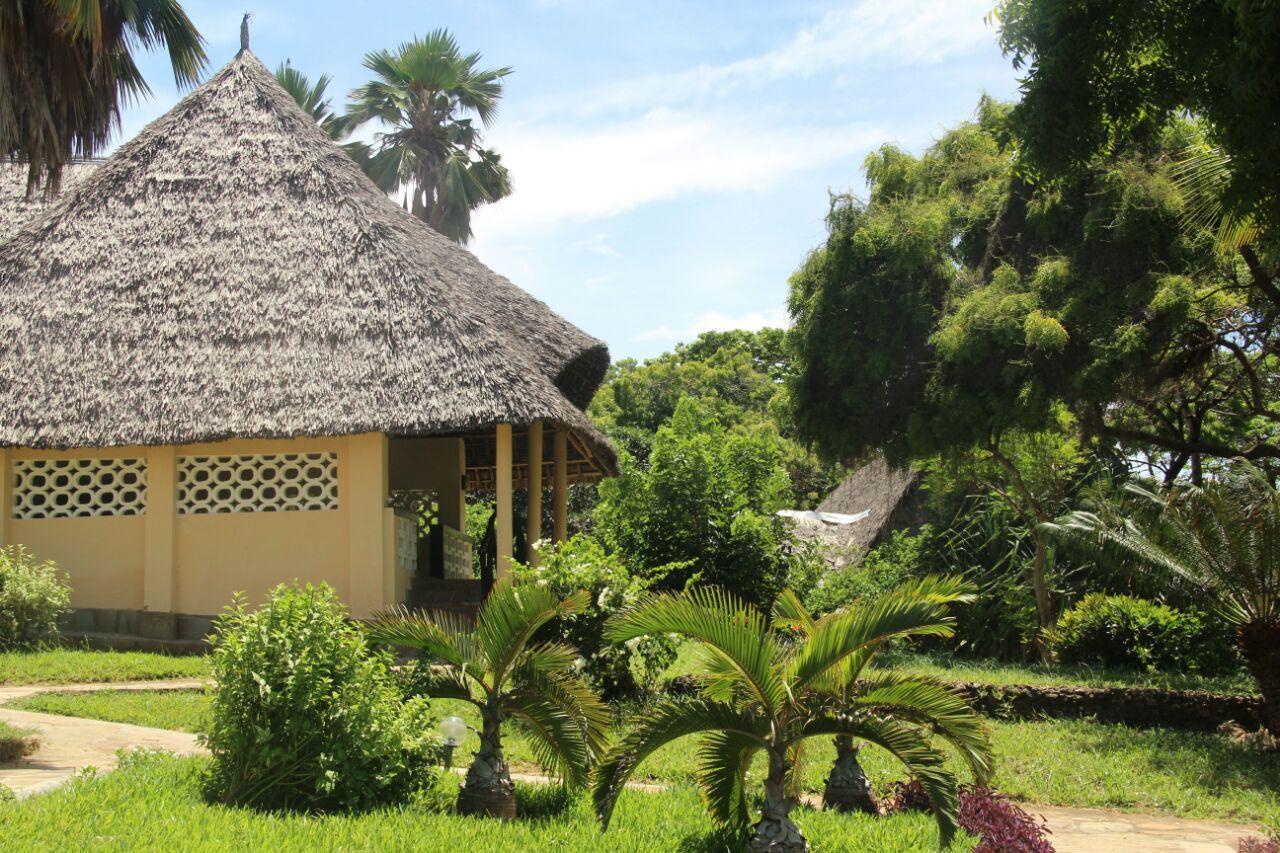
x,y
671,161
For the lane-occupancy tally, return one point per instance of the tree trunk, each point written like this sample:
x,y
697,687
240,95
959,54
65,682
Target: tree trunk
x,y
1044,608
776,832
1261,644
488,789
847,787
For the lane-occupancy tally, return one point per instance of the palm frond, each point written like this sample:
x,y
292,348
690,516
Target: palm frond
x,y
512,614
723,761
738,631
574,695
789,612
660,724
552,733
429,634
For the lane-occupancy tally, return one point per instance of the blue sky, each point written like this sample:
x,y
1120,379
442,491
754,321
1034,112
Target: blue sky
x,y
671,161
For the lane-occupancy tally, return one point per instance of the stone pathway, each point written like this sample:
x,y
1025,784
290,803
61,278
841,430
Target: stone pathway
x,y
69,744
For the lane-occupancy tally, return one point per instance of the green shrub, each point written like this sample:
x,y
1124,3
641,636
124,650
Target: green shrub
x,y
1132,633
32,595
882,568
582,563
306,716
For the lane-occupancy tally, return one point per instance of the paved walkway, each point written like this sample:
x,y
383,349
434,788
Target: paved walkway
x,y
69,744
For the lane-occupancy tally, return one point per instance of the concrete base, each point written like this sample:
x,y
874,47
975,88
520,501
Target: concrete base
x,y
138,630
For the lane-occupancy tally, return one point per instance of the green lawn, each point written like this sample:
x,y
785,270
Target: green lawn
x,y
1058,762
154,801
951,668
70,666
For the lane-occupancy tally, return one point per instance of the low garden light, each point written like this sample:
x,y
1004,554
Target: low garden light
x,y
452,731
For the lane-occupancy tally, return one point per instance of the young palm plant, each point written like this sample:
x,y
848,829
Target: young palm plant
x,y
499,669
762,696
847,787
1218,544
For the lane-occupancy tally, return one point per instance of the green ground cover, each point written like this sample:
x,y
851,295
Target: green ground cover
x,y
74,666
153,800
15,742
1054,762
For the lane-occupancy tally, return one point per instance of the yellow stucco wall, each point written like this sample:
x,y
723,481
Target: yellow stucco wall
x,y
193,563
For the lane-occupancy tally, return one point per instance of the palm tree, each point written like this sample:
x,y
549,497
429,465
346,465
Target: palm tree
x,y
66,66
1218,544
847,788
428,91
497,668
314,100
762,696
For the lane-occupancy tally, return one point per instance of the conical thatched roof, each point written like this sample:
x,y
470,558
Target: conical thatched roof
x,y
15,208
231,272
885,493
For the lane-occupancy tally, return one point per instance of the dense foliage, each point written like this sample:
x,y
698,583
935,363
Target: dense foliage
x,y
305,715
1122,632
880,570
581,563
706,500
32,597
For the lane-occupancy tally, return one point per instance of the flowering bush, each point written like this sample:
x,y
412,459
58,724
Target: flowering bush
x,y
32,595
1000,825
582,563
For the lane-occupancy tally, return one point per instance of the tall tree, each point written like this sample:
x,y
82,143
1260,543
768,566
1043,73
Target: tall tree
x,y
437,100
67,65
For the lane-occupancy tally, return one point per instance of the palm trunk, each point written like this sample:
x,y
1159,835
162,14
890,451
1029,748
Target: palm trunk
x,y
776,832
847,787
488,789
1261,644
1044,608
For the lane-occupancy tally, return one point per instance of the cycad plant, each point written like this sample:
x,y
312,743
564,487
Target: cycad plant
x,y
1218,544
847,787
762,696
499,669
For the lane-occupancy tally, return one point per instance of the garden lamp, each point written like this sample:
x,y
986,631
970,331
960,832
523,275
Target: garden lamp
x,y
452,731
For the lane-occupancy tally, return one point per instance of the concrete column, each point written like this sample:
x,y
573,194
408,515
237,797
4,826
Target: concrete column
x,y
560,487
158,529
365,473
533,527
6,495
502,498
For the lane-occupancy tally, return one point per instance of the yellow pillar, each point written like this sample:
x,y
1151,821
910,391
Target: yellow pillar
x,y
365,476
6,494
502,498
158,529
560,486
533,527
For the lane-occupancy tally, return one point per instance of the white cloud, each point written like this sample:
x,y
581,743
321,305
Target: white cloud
x,y
573,173
716,321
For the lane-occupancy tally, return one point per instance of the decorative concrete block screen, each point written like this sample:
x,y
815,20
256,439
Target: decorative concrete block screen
x,y
79,488
457,554
406,543
274,482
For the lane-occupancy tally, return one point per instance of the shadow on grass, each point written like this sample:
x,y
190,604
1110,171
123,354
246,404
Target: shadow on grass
x,y
534,802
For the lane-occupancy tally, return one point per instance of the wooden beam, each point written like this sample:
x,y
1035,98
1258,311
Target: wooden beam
x,y
560,487
502,499
533,525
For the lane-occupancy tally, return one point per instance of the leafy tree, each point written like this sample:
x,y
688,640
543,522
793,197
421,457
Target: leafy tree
x,y
497,668
1218,543
68,64
432,95
760,696
707,500
847,788
1097,73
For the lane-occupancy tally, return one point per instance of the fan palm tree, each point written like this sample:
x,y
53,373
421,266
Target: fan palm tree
x,y
498,669
66,66
314,99
432,95
847,788
1218,543
762,696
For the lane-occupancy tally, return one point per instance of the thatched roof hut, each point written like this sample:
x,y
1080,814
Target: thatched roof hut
x,y
230,272
17,207
889,497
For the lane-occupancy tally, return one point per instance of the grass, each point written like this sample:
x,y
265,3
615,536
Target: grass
x,y
951,668
15,742
79,666
1058,762
180,710
154,799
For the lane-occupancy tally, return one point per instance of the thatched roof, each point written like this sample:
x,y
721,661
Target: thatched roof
x,y
885,493
230,272
15,208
